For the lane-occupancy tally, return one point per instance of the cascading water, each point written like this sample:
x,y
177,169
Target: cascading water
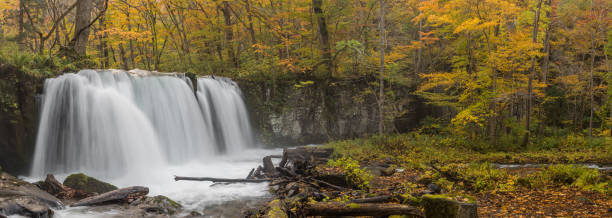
x,y
221,100
110,122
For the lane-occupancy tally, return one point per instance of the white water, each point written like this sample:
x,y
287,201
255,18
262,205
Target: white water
x,y
139,129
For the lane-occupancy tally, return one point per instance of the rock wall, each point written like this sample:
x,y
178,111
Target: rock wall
x,y
292,113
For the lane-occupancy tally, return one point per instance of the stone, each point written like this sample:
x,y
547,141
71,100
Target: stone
x,y
83,182
334,179
158,205
439,206
424,180
18,197
27,206
436,189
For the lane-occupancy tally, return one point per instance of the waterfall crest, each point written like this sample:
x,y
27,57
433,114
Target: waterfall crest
x,y
109,122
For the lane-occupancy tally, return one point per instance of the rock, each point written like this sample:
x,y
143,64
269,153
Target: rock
x,y
195,214
18,197
158,205
27,206
376,170
438,206
424,180
88,184
435,189
334,179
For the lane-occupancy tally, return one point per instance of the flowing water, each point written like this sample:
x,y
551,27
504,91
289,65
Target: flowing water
x,y
141,128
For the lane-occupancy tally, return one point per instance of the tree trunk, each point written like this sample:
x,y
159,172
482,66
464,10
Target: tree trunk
x,y
381,100
81,26
531,75
591,75
317,7
229,33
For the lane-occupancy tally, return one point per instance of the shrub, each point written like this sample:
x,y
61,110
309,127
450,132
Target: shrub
x,y
355,175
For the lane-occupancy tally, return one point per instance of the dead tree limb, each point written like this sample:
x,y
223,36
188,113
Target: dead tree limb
x,y
120,195
177,178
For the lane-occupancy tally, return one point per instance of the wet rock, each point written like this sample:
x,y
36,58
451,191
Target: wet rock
x,y
83,182
195,214
157,205
436,189
18,197
438,206
25,206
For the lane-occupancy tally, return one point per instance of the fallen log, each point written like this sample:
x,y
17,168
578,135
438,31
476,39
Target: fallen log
x,y
377,199
355,209
211,179
120,195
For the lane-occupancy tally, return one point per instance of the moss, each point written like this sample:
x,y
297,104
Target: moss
x,y
276,210
353,205
161,198
88,184
441,206
411,200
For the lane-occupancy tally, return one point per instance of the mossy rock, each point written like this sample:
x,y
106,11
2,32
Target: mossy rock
x,y
158,205
440,206
88,184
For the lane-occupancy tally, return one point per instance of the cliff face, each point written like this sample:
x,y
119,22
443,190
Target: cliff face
x,y
18,118
289,114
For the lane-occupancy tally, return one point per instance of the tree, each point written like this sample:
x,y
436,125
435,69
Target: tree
x,y
381,101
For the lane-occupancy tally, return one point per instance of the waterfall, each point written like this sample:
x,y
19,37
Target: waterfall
x,y
221,100
109,122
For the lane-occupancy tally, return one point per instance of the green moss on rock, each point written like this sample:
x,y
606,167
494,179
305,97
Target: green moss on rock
x,y
440,206
88,184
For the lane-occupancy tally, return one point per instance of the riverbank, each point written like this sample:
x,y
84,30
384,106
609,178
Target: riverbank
x,y
572,179
555,183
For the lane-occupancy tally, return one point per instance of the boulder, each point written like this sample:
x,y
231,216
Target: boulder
x,y
88,184
160,205
439,206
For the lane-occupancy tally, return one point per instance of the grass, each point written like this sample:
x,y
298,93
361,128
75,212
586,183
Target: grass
x,y
418,150
471,160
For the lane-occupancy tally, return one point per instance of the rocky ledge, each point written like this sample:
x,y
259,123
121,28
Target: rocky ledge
x,y
40,199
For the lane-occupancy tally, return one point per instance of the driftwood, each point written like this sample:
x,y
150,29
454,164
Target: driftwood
x,y
211,179
250,174
53,186
128,194
355,209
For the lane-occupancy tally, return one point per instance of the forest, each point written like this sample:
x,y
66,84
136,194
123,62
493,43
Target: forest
x,y
507,102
